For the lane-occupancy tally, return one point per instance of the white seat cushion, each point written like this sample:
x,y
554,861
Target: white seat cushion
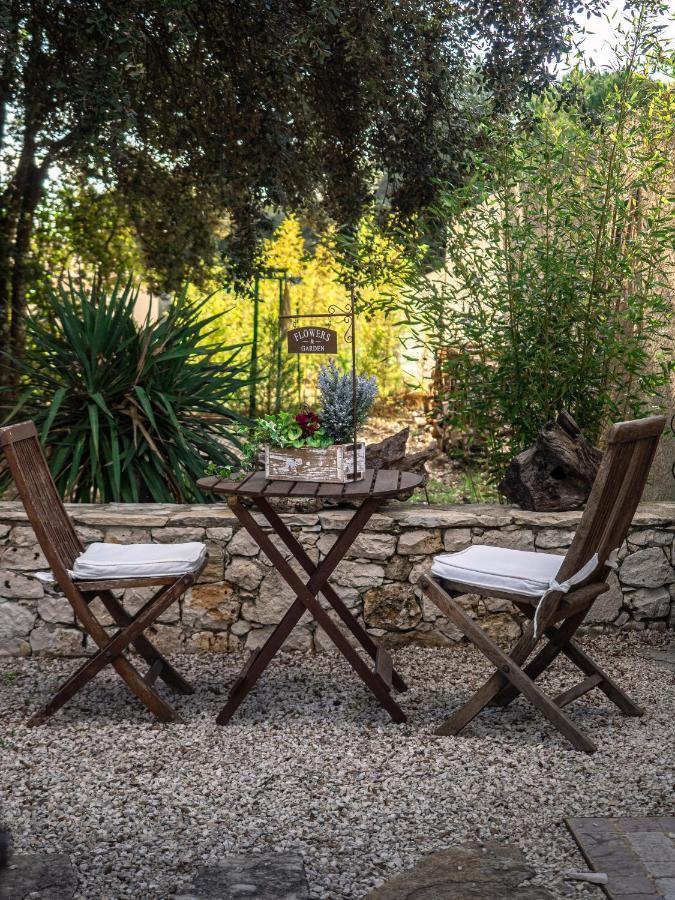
x,y
499,569
107,561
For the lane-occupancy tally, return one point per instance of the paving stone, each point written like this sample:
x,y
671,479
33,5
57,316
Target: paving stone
x,y
44,876
634,852
665,656
263,876
468,872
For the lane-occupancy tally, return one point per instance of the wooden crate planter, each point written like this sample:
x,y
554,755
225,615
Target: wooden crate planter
x,y
334,464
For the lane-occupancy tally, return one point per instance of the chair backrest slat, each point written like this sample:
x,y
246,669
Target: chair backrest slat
x,y
52,526
616,492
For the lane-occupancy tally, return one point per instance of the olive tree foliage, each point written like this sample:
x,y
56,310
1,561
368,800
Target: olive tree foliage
x,y
200,113
557,288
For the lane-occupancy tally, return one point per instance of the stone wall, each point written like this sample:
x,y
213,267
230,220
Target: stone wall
x,y
240,597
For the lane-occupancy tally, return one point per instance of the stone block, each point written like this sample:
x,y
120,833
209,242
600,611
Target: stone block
x,y
214,606
457,516
207,642
89,535
495,605
422,567
14,647
22,536
337,519
650,537
240,627
273,600
43,876
19,587
567,519
56,609
220,534
518,539
101,613
119,534
647,568
373,545
213,570
502,627
16,620
312,552
134,598
489,871
455,539
607,606
48,640
359,575
553,538
245,573
299,639
393,607
398,568
177,535
418,542
167,638
24,559
649,603
260,876
242,544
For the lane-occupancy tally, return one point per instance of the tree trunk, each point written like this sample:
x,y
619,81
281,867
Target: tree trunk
x,y
557,473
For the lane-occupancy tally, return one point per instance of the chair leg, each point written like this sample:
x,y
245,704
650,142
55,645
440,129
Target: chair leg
x,y
163,711
508,667
110,653
558,637
607,684
145,648
560,641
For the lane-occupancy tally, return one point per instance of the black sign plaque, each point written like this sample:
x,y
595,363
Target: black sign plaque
x,y
312,340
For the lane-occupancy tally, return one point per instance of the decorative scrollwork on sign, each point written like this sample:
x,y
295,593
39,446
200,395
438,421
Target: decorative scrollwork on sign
x,y
346,315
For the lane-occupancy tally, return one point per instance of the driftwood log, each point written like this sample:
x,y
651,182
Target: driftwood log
x,y
557,473
391,454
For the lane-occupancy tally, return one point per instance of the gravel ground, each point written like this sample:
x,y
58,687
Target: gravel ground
x,y
312,764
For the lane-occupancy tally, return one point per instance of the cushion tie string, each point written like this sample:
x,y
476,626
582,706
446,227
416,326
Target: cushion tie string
x,y
563,587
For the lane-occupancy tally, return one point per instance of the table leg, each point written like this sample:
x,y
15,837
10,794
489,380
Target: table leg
x,y
327,590
306,598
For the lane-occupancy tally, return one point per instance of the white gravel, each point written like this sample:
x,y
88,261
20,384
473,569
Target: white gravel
x,y
311,763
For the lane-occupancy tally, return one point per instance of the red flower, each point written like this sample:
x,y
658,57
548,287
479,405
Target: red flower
x,y
308,421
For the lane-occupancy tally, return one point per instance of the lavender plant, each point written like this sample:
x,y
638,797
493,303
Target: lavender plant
x,y
335,393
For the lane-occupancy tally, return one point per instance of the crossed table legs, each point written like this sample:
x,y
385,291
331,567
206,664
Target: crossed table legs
x,y
383,678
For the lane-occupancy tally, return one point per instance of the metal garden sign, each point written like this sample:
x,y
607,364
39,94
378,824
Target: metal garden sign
x,y
324,340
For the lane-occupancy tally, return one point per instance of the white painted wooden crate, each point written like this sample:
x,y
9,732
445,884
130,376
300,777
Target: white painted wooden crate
x,y
334,464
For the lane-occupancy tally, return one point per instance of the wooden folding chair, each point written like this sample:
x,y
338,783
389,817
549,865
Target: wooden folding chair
x,y
557,610
61,547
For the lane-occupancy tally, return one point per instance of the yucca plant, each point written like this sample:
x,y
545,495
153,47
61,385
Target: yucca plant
x,y
128,412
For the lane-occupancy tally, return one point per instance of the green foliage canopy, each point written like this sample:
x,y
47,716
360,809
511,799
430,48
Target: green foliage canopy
x,y
193,109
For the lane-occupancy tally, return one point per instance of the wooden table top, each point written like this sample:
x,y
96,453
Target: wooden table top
x,y
383,483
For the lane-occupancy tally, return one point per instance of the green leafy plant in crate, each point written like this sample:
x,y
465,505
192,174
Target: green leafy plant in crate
x,y
128,412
